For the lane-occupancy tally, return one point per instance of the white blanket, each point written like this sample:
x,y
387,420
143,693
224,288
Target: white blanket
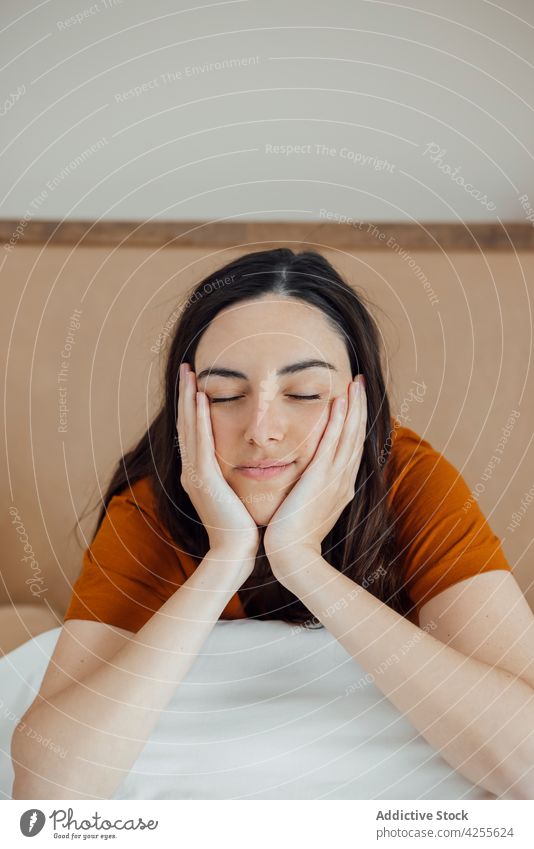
x,y
267,711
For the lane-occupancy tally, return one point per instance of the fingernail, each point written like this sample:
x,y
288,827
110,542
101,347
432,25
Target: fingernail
x,y
362,380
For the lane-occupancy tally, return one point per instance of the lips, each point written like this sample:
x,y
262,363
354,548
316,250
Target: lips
x,y
265,464
264,472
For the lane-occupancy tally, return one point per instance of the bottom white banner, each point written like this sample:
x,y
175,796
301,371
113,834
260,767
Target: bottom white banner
x,y
358,823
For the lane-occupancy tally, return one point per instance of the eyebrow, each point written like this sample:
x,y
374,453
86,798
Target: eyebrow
x,y
291,369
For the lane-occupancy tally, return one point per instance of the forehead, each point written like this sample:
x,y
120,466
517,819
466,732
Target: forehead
x,y
269,331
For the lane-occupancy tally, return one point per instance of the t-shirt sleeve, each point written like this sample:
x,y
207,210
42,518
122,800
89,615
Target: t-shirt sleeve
x,y
442,534
128,571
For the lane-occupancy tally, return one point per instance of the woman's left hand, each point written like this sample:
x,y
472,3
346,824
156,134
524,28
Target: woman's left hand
x,y
327,485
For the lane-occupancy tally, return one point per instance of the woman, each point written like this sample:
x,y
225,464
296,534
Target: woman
x,y
360,529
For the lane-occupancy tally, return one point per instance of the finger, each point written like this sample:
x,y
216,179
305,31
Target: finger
x,y
353,436
333,430
361,428
360,441
205,439
189,425
180,412
204,432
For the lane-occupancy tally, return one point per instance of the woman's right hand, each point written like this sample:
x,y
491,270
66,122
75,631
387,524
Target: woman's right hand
x,y
229,525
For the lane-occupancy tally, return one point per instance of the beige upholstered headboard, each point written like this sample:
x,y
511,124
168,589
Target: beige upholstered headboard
x,y
455,321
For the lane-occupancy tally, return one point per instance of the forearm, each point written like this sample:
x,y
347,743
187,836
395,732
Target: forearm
x,y
480,718
103,721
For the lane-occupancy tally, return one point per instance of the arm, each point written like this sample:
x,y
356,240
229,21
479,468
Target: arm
x,y
479,716
104,720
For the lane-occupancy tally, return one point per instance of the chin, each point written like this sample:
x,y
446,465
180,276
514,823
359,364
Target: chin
x,y
263,513
261,505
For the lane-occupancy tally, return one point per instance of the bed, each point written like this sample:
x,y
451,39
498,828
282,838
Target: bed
x,y
267,711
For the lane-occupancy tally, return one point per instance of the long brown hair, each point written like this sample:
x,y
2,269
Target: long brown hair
x,y
362,542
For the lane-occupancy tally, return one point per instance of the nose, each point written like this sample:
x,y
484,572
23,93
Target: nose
x,y
265,422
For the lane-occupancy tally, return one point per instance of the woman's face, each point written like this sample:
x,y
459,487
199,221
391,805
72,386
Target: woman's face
x,y
261,339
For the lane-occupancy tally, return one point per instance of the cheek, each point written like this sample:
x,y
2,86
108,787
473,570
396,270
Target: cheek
x,y
304,432
310,428
223,438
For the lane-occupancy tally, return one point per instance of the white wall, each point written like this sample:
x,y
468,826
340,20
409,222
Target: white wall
x,y
375,81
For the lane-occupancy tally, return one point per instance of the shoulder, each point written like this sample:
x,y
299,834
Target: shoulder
x,y
131,536
405,441
138,500
140,495
418,474
442,534
131,521
407,450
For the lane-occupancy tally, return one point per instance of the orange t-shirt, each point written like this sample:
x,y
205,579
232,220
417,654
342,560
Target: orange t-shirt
x,y
133,566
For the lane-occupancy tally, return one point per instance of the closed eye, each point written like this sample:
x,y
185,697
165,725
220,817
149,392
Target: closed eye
x,y
236,397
